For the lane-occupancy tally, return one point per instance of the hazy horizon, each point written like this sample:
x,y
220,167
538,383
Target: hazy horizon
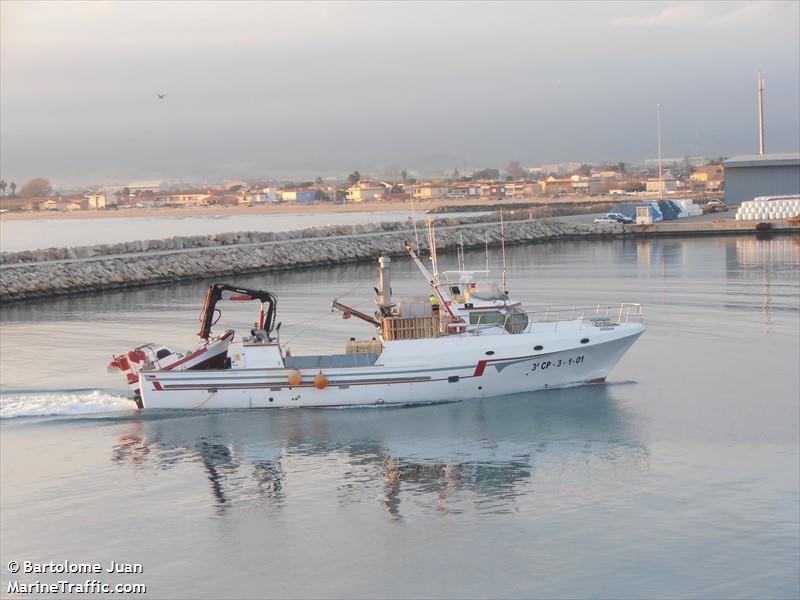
x,y
300,90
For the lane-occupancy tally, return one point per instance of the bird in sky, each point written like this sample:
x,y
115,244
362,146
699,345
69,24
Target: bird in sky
x,y
161,96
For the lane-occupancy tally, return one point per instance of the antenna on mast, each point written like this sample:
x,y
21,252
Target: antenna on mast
x,y
486,242
414,221
760,114
432,250
503,246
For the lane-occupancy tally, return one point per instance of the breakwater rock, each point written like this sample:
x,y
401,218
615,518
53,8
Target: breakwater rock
x,y
68,271
235,238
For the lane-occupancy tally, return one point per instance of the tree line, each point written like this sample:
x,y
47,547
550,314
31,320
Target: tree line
x,y
36,187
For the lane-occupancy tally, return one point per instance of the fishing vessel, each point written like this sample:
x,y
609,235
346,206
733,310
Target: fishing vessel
x,y
468,340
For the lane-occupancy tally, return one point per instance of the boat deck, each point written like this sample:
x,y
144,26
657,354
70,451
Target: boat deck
x,y
331,361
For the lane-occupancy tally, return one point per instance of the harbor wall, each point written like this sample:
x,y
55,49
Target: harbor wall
x,y
79,270
68,271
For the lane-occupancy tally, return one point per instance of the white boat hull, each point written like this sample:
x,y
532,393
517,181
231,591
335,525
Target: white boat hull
x,y
463,367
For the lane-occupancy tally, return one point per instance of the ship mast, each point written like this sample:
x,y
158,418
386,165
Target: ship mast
x,y
414,221
503,246
432,280
486,246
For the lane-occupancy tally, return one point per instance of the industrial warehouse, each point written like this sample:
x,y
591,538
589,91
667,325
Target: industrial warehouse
x,y
751,176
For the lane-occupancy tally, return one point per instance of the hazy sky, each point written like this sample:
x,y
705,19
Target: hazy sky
x,y
283,89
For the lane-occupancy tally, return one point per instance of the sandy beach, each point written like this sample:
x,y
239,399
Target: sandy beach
x,y
292,208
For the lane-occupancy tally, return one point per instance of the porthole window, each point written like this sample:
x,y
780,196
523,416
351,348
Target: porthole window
x,y
537,348
585,341
489,352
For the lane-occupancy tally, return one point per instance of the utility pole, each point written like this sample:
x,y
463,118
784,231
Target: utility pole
x,y
660,172
760,114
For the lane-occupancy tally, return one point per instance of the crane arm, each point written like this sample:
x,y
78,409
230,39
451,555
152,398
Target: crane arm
x,y
335,304
214,295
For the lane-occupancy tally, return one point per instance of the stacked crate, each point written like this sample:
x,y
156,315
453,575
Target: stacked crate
x,y
410,328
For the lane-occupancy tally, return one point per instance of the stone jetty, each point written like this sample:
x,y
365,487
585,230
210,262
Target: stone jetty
x,y
77,270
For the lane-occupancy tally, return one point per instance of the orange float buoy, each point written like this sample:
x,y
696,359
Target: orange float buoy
x,y
320,381
295,377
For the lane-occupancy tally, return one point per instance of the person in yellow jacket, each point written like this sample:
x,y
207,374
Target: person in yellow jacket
x,y
434,304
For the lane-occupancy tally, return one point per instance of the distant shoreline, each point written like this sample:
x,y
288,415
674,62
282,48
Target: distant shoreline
x,y
296,208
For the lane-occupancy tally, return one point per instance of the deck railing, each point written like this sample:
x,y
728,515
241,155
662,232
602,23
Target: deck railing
x,y
599,315
621,313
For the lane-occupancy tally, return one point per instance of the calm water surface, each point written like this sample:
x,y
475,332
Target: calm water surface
x,y
679,478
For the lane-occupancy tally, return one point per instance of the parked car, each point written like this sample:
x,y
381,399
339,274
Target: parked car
x,y
620,217
606,219
715,206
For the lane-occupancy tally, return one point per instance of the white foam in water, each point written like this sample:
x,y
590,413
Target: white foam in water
x,y
61,403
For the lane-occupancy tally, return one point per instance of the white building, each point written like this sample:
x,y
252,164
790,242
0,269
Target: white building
x,y
654,184
96,200
364,192
431,191
585,185
262,195
144,186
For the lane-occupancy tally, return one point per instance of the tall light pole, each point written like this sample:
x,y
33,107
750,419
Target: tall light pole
x,y
660,172
760,114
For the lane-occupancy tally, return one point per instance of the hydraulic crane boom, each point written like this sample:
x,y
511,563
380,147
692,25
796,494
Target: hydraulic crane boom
x,y
266,319
356,313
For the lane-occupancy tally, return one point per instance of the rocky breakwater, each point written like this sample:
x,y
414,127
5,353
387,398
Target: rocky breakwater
x,y
68,271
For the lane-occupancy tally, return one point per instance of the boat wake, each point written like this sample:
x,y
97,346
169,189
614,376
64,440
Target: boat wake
x,y
57,403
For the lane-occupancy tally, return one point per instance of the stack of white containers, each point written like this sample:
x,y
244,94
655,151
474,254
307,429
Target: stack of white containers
x,y
769,207
688,208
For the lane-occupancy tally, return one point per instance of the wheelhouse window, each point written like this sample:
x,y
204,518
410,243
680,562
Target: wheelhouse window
x,y
485,317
